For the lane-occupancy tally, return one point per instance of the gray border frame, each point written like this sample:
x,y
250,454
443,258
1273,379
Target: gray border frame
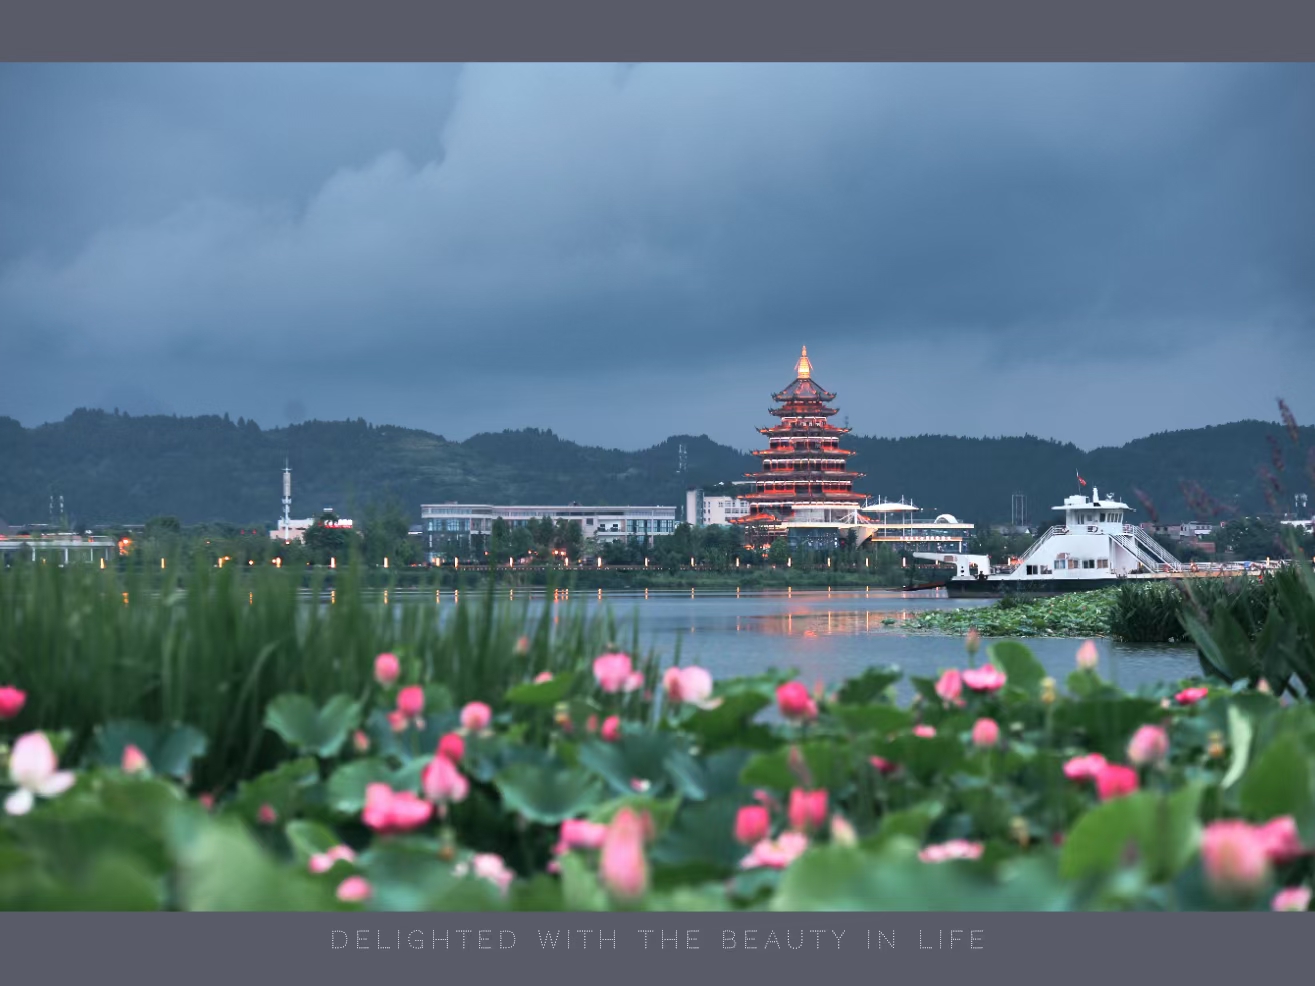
x,y
670,30
1018,949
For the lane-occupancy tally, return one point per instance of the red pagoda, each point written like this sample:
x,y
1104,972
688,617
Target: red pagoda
x,y
804,477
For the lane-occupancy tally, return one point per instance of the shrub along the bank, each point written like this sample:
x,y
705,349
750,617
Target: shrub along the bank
x,y
579,779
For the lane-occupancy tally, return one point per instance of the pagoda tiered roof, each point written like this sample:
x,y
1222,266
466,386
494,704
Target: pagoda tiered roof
x,y
801,439
804,388
791,453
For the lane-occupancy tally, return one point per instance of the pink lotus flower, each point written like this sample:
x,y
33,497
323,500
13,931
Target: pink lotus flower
x,y
1281,840
411,701
387,669
488,866
634,682
1190,696
622,865
134,761
807,810
692,685
388,811
206,801
924,731
1088,656
1291,899
778,854
1149,745
591,725
577,833
613,672
452,747
986,733
267,815
611,731
542,676
752,824
950,686
1086,768
954,849
33,768
361,742
793,700
396,721
354,890
522,645
1234,858
322,862
987,678
11,702
443,783
883,765
1114,781
475,717
973,641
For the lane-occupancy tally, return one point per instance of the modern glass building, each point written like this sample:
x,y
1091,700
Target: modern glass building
x,y
444,522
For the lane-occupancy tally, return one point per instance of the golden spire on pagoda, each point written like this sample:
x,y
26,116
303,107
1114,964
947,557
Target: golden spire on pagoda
x,y
803,369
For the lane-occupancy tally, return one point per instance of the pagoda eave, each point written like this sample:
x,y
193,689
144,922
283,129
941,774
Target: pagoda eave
x,y
809,453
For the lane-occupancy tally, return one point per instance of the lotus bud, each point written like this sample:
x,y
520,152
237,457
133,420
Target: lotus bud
x,y
842,833
1019,831
1215,745
1048,692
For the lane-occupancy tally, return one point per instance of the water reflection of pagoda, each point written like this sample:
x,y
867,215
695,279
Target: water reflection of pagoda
x,y
804,477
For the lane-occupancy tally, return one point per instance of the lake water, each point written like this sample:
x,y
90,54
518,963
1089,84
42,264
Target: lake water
x,y
835,635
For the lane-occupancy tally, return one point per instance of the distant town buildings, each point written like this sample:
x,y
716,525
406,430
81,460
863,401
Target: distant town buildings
x,y
1181,532
444,522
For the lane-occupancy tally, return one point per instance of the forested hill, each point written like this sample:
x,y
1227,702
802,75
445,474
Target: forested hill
x,y
117,468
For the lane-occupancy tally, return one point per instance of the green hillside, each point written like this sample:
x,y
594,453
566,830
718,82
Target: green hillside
x,y
117,468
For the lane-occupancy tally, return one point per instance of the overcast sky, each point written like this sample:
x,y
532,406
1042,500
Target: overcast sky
x,y
623,253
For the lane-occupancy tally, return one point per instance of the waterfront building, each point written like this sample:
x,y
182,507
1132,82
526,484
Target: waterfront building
x,y
710,506
805,491
461,522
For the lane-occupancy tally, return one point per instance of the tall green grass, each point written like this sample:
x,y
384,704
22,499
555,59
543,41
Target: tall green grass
x,y
1152,612
91,646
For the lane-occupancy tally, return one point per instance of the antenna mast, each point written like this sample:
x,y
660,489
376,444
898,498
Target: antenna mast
x,y
286,523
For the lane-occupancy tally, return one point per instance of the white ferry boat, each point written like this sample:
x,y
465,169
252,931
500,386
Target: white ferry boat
x,y
1095,547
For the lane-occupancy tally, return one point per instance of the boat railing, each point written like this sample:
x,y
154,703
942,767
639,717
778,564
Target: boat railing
x,y
1148,551
1057,529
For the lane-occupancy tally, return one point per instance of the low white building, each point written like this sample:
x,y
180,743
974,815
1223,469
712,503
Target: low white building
x,y
448,521
707,509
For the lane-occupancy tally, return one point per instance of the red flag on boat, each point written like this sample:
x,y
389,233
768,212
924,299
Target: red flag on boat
x,y
1081,481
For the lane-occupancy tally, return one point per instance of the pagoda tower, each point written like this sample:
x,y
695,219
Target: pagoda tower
x,y
804,476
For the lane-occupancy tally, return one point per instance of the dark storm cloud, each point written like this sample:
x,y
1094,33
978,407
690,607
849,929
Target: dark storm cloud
x,y
623,252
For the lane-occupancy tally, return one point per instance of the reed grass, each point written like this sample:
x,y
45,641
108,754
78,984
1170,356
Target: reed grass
x,y
1151,612
214,648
